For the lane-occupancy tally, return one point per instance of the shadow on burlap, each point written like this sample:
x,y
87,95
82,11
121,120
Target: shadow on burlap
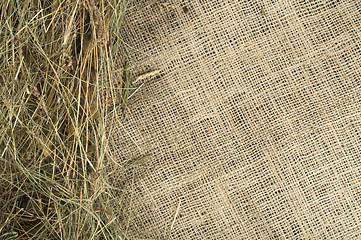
x,y
252,125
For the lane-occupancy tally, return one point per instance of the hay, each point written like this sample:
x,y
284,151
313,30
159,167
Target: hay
x,y
53,183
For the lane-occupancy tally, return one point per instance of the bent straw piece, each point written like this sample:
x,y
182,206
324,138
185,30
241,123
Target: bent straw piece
x,y
100,209
147,75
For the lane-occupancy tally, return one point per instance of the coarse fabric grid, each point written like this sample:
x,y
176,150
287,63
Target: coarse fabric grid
x,y
252,125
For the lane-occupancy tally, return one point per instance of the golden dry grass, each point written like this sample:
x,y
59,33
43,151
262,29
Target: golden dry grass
x,y
53,183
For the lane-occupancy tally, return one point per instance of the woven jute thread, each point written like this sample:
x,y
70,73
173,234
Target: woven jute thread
x,y
251,124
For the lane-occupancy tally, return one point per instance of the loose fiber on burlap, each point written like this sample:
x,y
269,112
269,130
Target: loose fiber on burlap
x,y
252,126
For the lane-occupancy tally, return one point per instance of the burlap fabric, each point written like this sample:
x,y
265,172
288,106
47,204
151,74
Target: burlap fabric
x,y
252,124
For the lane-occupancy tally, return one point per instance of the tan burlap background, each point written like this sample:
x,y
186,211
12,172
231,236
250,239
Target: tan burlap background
x,y
253,124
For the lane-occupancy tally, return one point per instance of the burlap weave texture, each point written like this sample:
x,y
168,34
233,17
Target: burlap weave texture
x,y
252,124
